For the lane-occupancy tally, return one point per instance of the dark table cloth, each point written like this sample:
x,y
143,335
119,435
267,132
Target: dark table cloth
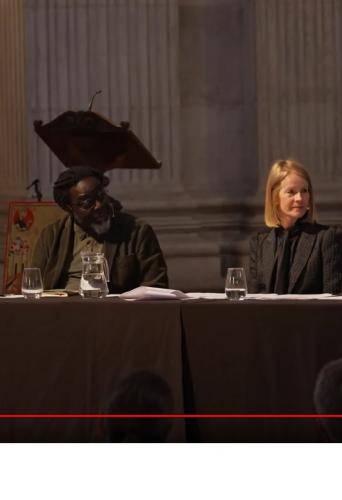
x,y
67,355
259,357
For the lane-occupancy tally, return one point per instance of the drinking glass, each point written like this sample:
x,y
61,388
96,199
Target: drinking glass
x,y
32,284
236,287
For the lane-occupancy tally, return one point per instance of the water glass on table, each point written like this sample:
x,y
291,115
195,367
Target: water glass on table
x,y
236,285
32,284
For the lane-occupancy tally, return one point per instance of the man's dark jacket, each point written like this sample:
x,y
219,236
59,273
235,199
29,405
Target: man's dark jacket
x,y
131,248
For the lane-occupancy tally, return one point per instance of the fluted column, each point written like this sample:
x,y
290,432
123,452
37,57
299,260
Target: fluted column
x,y
13,125
299,86
13,151
126,48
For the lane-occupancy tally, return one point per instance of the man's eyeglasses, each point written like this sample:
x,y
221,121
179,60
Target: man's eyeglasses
x,y
89,201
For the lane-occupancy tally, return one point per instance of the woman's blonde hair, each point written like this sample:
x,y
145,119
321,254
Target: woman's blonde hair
x,y
279,170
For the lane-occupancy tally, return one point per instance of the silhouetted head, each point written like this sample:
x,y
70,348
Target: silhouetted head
x,y
328,397
140,393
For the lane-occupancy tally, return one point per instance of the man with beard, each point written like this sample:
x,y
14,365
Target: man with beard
x,y
95,223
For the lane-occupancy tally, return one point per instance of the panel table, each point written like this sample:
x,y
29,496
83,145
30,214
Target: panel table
x,y
66,355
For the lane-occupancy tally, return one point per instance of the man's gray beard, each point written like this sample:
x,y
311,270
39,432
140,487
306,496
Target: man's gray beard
x,y
101,228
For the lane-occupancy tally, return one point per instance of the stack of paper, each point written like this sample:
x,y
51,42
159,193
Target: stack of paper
x,y
148,293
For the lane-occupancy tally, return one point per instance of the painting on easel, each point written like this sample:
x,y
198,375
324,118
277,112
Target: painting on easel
x,y
26,219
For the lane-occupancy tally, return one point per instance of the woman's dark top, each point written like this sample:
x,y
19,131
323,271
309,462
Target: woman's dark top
x,y
286,245
303,259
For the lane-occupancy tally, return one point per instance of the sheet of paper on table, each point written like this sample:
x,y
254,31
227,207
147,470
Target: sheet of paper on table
x,y
290,296
152,293
206,295
265,296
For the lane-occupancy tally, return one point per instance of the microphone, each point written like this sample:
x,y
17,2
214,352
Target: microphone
x,y
33,183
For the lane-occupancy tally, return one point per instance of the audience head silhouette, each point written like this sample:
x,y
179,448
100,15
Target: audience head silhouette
x,y
328,398
140,393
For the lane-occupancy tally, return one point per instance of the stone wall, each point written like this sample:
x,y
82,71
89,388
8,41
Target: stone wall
x,y
217,89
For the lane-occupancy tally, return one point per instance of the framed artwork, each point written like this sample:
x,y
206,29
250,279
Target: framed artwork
x,y
26,219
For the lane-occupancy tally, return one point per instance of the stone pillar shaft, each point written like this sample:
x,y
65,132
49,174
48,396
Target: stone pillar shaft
x,y
13,152
299,91
126,48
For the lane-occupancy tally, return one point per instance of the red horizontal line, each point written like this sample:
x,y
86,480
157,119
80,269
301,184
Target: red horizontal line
x,y
173,415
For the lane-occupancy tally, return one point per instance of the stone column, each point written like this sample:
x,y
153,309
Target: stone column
x,y
126,48
13,126
13,152
299,90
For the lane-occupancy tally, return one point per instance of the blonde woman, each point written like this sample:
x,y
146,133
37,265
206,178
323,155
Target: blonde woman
x,y
295,254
